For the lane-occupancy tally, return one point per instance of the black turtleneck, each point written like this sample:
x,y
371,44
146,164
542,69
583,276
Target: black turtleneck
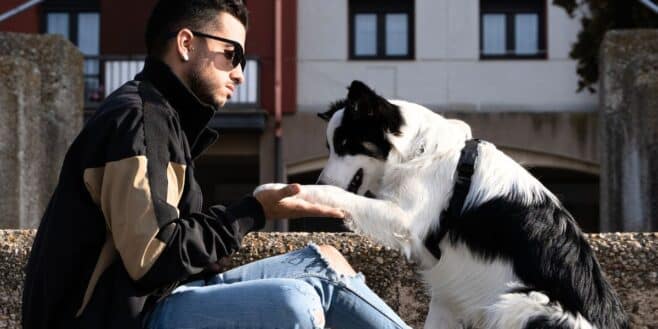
x,y
194,114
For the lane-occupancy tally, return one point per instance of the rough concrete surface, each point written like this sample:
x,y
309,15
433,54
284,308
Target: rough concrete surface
x,y
49,108
19,177
629,130
630,261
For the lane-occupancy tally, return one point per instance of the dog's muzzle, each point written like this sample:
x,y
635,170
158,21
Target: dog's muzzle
x,y
356,182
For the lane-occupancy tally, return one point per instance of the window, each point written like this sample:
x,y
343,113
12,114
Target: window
x,y
381,29
80,23
511,29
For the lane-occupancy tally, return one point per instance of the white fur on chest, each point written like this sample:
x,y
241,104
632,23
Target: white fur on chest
x,y
464,284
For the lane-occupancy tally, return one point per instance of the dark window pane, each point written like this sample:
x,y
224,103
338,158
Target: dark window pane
x,y
89,33
513,29
58,23
365,34
527,34
397,34
493,34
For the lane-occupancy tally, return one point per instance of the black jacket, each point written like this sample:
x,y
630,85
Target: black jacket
x,y
125,225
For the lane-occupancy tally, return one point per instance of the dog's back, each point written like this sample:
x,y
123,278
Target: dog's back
x,y
562,285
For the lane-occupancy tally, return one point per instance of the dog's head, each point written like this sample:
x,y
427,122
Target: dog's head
x,y
367,132
359,136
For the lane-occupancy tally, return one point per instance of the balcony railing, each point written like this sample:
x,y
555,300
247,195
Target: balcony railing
x,y
105,74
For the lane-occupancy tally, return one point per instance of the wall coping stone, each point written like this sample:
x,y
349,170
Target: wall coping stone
x,y
630,261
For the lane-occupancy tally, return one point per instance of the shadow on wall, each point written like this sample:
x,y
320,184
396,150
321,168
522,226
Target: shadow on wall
x,y
578,192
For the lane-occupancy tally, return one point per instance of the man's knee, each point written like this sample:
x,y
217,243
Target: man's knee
x,y
336,260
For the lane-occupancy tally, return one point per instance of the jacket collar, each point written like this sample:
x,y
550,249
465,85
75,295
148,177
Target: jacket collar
x,y
193,113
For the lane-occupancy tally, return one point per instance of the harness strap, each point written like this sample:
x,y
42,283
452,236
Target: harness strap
x,y
464,173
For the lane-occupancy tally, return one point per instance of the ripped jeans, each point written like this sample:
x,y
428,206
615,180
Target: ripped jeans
x,y
297,290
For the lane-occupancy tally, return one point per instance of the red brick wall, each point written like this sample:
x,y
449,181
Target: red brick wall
x,y
260,43
27,21
123,23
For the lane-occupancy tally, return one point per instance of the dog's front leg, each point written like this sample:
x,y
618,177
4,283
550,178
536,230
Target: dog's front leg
x,y
440,317
382,219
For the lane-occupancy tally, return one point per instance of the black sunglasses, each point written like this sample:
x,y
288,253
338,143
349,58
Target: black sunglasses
x,y
236,56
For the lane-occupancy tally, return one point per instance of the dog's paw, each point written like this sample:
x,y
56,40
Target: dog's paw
x,y
269,186
310,193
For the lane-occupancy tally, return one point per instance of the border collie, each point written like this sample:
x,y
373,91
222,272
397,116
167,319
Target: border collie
x,y
496,249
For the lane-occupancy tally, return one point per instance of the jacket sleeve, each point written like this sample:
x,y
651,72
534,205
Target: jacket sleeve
x,y
139,191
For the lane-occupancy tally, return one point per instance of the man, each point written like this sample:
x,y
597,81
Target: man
x,y
124,242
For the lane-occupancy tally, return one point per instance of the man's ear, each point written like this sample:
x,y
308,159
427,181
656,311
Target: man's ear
x,y
184,44
335,106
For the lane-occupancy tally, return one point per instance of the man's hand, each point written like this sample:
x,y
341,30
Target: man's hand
x,y
278,202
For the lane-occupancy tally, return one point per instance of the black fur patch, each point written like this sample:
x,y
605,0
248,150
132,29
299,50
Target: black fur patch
x,y
368,117
543,322
548,251
333,108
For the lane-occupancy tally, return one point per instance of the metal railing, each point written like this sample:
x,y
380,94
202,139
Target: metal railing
x,y
105,74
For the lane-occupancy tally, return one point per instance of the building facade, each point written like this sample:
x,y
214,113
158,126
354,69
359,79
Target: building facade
x,y
502,66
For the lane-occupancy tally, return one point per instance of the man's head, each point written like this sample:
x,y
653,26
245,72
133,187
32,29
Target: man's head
x,y
203,43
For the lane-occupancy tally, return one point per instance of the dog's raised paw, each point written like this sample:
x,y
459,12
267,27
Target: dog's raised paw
x,y
269,186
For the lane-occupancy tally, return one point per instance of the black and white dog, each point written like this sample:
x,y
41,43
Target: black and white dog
x,y
496,248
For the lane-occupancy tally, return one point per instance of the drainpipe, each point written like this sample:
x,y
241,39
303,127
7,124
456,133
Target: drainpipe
x,y
18,9
281,225
650,5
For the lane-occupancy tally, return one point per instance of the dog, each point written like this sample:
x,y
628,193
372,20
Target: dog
x,y
496,249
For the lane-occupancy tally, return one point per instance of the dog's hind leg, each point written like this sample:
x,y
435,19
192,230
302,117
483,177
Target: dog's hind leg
x,y
440,317
531,310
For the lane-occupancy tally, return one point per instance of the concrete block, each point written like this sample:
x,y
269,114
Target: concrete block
x,y
628,259
629,131
20,148
46,104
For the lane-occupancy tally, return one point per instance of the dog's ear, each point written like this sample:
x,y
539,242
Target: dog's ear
x,y
357,89
333,108
364,104
361,100
358,92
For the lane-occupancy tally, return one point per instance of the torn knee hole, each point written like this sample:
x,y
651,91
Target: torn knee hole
x,y
318,318
336,260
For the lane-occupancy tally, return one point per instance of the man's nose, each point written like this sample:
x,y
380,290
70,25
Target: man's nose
x,y
237,76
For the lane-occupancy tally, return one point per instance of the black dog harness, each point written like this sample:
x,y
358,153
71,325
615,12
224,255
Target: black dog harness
x,y
465,170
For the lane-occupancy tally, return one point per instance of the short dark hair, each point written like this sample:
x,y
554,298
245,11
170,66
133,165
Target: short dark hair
x,y
170,16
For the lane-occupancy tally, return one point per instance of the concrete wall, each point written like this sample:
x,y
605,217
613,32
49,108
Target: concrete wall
x,y
447,73
41,99
629,127
629,261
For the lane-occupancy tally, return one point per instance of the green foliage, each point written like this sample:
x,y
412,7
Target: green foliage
x,y
597,17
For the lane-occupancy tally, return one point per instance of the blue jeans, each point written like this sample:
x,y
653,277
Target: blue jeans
x,y
295,290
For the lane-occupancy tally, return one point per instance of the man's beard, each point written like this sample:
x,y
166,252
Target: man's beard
x,y
201,88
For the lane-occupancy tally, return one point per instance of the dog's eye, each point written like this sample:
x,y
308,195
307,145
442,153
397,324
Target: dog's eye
x,y
370,147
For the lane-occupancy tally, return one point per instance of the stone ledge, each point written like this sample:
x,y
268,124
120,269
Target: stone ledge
x,y
630,261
